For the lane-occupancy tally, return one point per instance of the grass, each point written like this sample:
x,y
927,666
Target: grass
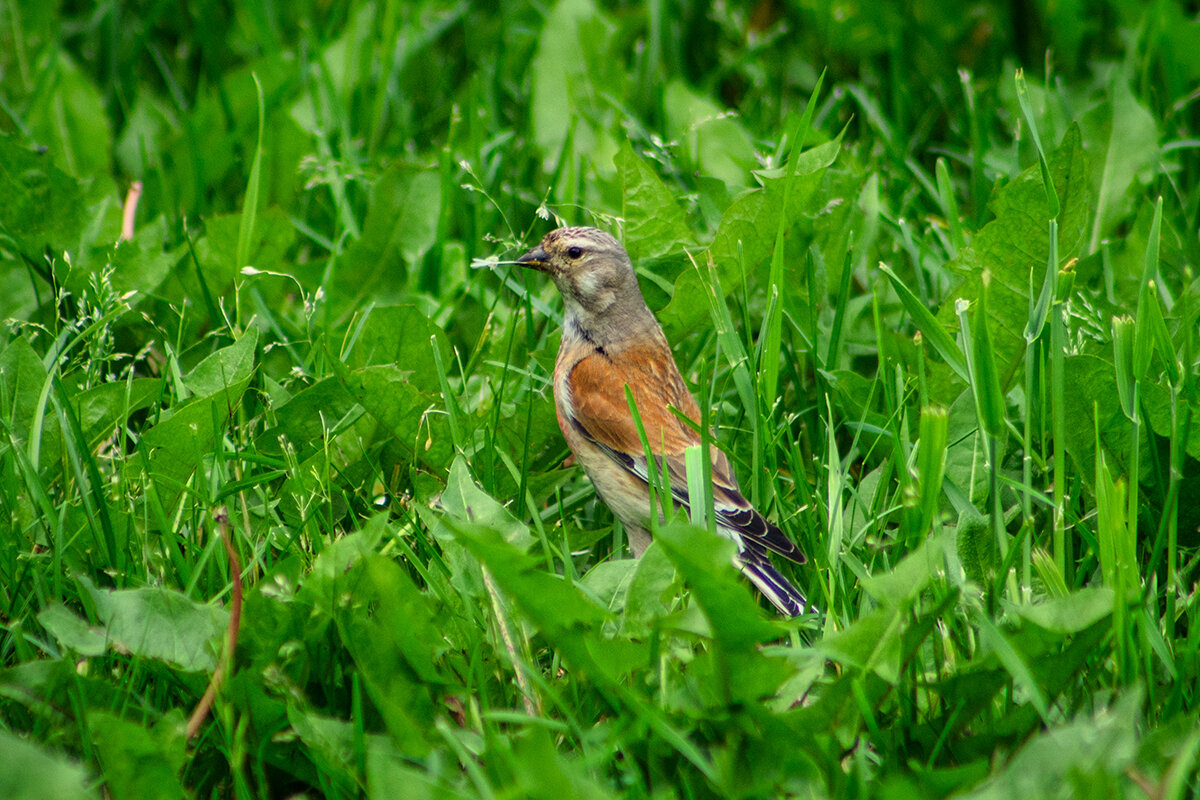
x,y
931,276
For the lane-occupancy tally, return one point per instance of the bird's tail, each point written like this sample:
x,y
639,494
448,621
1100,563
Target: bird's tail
x,y
775,587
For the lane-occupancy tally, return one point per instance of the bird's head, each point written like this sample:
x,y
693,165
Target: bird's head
x,y
594,274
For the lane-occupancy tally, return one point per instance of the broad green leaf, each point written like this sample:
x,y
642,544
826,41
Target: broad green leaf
x,y
82,212
140,762
216,251
390,774
735,671
173,449
567,617
748,227
966,456
158,623
328,579
401,226
225,371
542,773
839,226
271,616
753,219
609,581
855,398
556,607
869,644
31,772
329,742
1085,757
379,647
399,336
22,378
103,408
650,591
714,142
309,416
414,417
464,499
1093,392
655,225
1128,135
570,66
1014,245
400,615
1078,610
141,265
1054,663
71,120
705,560
72,633
1013,661
908,579
1156,401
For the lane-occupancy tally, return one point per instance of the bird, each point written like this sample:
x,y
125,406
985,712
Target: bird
x,y
612,340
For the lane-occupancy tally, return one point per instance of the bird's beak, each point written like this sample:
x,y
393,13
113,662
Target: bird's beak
x,y
535,259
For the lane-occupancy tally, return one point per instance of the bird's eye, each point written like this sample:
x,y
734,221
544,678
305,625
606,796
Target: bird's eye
x,y
574,252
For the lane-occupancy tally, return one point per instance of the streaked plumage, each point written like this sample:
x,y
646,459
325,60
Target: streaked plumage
x,y
612,340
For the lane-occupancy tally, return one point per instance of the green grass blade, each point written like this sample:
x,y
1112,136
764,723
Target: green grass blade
x,y
1027,112
941,341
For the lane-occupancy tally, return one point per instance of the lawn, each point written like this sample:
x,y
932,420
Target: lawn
x,y
287,511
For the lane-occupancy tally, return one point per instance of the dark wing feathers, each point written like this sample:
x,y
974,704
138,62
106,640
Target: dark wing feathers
x,y
775,587
601,415
749,523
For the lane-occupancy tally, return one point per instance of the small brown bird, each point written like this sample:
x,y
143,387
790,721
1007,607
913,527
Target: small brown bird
x,y
611,340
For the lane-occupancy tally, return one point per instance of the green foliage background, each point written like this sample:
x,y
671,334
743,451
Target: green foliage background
x,y
930,269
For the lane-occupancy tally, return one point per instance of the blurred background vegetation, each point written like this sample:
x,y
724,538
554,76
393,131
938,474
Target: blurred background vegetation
x,y
293,338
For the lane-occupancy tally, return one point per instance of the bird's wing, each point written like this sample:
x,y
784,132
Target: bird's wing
x,y
775,587
599,411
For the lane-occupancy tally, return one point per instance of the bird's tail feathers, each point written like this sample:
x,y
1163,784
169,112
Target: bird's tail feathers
x,y
776,588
